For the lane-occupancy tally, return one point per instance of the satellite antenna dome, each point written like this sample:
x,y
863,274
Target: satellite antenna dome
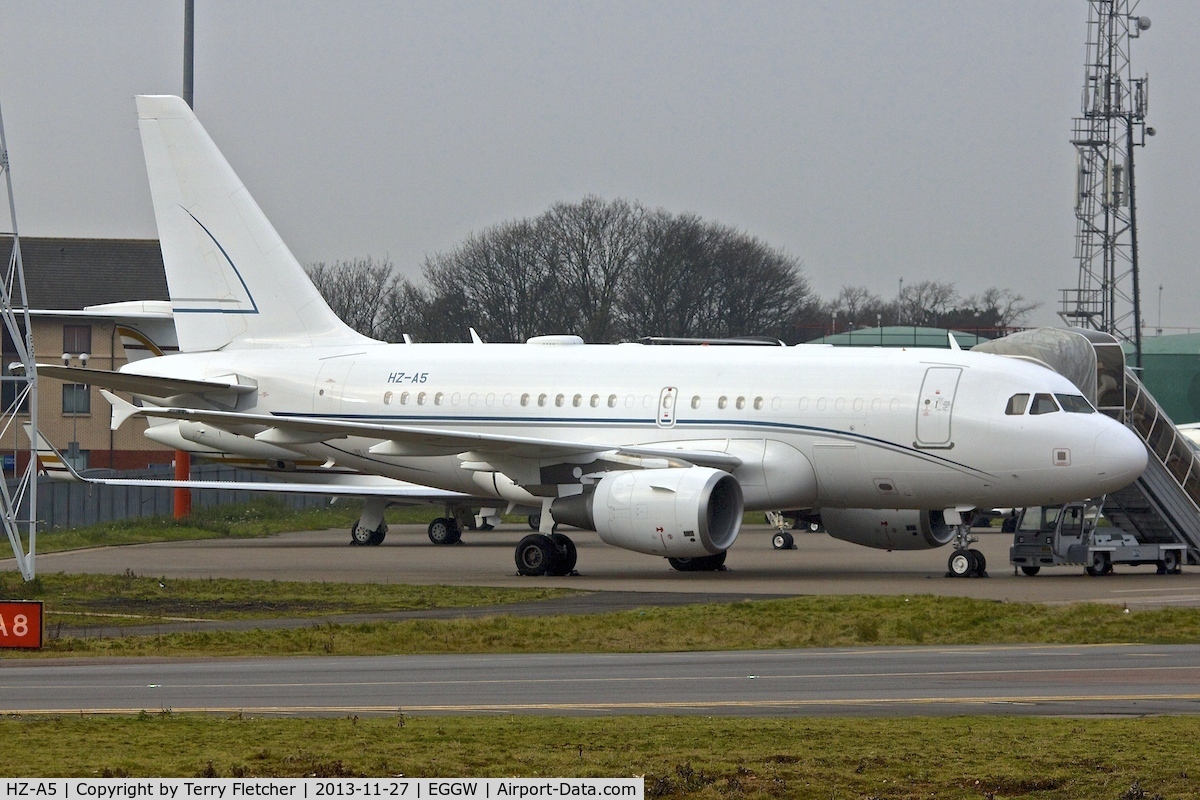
x,y
1143,23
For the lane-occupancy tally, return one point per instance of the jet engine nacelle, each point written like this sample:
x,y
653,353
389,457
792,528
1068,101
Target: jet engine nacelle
x,y
683,513
889,529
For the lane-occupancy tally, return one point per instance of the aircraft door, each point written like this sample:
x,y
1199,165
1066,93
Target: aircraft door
x,y
666,407
331,385
936,405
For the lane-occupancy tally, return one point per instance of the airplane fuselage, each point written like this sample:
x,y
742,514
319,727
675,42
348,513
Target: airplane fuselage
x,y
812,426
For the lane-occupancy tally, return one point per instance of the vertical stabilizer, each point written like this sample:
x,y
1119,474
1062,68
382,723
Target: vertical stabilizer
x,y
233,282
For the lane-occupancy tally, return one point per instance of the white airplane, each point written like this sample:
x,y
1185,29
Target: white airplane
x,y
657,449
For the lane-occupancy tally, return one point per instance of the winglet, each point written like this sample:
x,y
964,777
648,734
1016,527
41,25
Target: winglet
x,y
475,337
52,464
121,409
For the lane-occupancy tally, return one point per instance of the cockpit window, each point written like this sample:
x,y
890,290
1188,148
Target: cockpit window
x,y
1075,404
1016,405
1043,404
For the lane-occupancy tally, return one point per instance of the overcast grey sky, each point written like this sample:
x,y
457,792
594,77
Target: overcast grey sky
x,y
873,140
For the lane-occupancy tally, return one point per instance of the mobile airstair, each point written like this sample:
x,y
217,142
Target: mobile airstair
x,y
1163,505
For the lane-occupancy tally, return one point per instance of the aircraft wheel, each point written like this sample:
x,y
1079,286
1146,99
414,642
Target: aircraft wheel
x,y
535,521
961,564
360,535
814,527
378,534
699,564
1031,571
566,556
1169,564
444,530
487,526
783,541
536,555
1100,565
980,570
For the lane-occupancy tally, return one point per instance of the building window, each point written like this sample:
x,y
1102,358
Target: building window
x,y
76,399
77,339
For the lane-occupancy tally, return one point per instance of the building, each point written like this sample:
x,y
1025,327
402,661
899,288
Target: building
x,y
65,280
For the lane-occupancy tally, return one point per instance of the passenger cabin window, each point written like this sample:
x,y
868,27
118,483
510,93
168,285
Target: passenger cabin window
x,y
559,399
525,399
758,404
595,401
723,402
437,398
1016,405
612,401
1043,404
741,403
1075,404
696,401
577,400
541,399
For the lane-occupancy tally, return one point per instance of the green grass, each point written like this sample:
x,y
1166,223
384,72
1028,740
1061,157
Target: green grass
x,y
702,757
242,521
75,600
796,622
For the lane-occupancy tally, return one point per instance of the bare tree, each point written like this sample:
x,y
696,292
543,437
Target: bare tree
x,y
354,288
925,303
1003,308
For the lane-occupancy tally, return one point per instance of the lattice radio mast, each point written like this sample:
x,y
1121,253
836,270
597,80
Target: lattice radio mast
x,y
18,501
1112,125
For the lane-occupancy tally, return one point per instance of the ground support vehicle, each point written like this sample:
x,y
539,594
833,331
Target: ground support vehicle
x,y
1051,536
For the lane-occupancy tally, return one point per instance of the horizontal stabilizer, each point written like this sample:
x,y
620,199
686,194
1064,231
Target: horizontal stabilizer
x,y
143,385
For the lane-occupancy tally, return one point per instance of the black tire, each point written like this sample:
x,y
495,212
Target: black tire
x,y
980,564
1100,565
961,564
535,521
566,556
814,527
536,555
699,564
444,530
1170,563
783,541
1031,571
377,535
487,526
359,535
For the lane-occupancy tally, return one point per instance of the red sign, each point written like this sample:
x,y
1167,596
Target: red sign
x,y
21,623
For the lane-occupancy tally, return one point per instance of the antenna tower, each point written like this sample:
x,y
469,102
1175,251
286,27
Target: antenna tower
x,y
1112,125
18,393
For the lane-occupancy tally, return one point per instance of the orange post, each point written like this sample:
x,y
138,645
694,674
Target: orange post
x,y
183,472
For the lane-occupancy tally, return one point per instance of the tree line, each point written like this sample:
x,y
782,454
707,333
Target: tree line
x,y
616,271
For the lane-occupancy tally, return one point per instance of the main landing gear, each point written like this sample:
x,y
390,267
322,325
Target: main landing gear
x,y
713,563
444,530
965,561
546,554
370,528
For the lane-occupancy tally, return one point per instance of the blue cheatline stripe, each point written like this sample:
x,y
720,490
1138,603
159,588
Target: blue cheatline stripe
x,y
679,424
254,306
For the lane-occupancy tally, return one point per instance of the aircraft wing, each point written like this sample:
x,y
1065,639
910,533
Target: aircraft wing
x,y
412,440
143,385
340,485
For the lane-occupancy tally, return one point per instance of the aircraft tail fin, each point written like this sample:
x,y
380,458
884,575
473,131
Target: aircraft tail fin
x,y
233,282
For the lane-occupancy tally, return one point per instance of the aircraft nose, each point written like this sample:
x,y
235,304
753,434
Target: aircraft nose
x,y
1120,454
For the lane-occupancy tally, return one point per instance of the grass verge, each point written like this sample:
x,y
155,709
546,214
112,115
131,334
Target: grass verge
x,y
794,622
115,600
963,757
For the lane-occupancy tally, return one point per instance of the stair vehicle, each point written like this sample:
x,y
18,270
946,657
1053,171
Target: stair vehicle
x,y
1051,536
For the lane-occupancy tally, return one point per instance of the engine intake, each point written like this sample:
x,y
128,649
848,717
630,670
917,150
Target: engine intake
x,y
684,513
888,529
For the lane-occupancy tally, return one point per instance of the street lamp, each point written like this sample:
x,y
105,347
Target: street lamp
x,y
73,447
